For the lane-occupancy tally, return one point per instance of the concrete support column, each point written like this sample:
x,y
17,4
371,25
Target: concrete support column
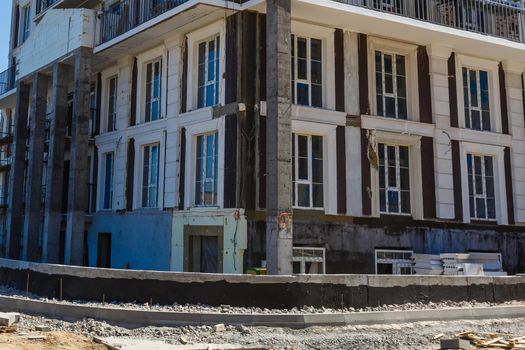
x,y
78,166
55,165
33,198
279,220
16,175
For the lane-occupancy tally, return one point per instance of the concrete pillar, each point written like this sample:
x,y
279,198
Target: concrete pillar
x,y
279,221
33,199
55,165
16,175
78,166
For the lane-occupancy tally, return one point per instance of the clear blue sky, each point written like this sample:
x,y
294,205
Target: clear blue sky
x,y
5,25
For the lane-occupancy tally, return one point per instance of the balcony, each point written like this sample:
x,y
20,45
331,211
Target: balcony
x,y
126,15
43,5
7,80
498,18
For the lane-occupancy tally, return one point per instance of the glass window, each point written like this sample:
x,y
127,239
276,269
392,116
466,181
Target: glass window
x,y
150,176
207,169
26,23
112,104
307,71
108,181
482,199
391,89
153,90
394,179
307,169
92,108
476,97
208,73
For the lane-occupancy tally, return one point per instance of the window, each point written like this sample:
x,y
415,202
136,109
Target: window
x,y
307,168
108,181
207,169
391,89
393,262
482,199
208,73
476,97
307,68
26,23
112,104
394,179
150,176
153,90
92,109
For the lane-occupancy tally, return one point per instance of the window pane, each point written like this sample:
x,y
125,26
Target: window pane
x,y
390,107
389,83
491,208
404,177
392,177
317,96
400,65
486,120
316,72
303,169
405,202
381,176
476,119
480,208
388,64
317,170
302,69
402,108
303,193
472,207
317,196
393,202
302,94
301,47
401,87
209,95
316,49
489,171
382,201
473,88
403,156
302,145
202,53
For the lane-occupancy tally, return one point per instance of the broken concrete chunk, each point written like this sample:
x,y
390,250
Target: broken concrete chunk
x,y
219,328
455,344
36,337
42,328
9,318
183,340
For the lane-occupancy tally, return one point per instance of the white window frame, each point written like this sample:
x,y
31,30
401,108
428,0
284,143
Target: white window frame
x,y
413,143
497,152
194,39
115,102
395,48
395,94
398,180
328,133
153,99
216,39
204,169
25,23
393,261
326,35
159,171
483,195
106,75
108,146
143,60
491,67
478,87
192,131
103,182
308,181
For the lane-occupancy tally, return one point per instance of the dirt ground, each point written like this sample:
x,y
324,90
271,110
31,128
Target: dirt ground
x,y
53,341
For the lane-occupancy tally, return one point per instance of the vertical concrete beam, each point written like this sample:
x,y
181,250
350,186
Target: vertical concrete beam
x,y
16,175
78,171
279,221
33,200
55,165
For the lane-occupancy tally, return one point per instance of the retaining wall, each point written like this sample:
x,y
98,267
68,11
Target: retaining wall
x,y
334,291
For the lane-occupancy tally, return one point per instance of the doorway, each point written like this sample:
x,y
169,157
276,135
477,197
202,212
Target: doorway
x,y
203,249
104,250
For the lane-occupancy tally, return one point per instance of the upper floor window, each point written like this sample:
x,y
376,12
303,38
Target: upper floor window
x,y
482,199
207,169
394,179
307,168
307,71
476,99
108,181
208,73
150,176
153,90
112,104
391,87
25,24
92,108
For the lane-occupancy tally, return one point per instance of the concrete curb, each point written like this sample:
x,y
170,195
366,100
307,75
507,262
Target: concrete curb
x,y
140,318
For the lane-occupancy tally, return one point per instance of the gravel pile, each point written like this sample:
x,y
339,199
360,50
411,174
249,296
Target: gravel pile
x,y
399,337
227,309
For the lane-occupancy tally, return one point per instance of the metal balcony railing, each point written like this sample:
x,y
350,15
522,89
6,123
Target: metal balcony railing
x,y
42,5
7,80
498,18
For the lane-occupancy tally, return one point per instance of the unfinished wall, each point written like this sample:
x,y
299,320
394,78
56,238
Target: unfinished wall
x,y
139,240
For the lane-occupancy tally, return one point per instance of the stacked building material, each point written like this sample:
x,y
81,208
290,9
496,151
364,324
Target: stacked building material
x,y
427,264
472,264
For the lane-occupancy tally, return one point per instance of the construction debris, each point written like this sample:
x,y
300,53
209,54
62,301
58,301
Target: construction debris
x,y
468,264
472,340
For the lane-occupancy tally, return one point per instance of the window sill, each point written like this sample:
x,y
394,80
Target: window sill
x,y
312,114
488,137
397,125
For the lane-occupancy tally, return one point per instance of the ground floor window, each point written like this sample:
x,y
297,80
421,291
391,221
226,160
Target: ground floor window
x,y
207,169
394,179
150,176
393,262
108,181
482,200
307,168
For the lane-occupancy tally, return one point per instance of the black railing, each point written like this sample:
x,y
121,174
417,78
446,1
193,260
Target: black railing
x,y
42,5
7,80
503,18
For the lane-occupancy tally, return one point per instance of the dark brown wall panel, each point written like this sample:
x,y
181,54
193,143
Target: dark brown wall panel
x,y
339,54
508,184
456,174
503,97
364,105
365,175
130,174
133,111
423,73
182,167
452,93
428,177
341,170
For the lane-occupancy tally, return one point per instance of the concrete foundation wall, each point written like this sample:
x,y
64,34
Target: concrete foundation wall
x,y
139,240
350,243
